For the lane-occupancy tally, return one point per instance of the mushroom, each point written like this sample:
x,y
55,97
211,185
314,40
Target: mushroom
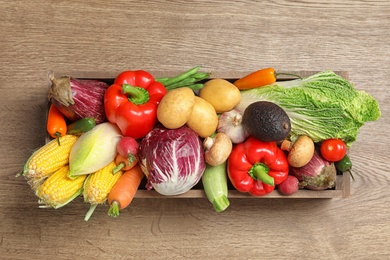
x,y
300,152
218,149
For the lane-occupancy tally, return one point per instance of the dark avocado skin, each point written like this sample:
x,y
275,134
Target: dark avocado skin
x,y
266,121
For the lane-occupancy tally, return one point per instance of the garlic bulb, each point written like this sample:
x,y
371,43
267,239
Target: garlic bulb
x,y
230,123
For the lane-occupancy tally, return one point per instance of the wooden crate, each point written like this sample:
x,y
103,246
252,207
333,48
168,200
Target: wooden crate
x,y
341,189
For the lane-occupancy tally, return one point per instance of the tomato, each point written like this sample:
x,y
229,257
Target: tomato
x,y
333,150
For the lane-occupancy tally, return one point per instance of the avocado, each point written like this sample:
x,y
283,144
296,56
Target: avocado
x,y
266,121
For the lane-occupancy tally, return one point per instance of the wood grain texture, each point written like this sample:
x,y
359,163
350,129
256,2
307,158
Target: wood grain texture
x,y
39,36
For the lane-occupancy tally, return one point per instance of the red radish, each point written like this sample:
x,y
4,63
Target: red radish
x,y
127,157
289,186
128,148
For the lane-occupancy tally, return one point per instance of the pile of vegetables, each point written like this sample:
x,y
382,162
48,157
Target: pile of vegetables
x,y
255,135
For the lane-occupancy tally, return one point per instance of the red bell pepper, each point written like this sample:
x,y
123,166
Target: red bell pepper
x,y
256,167
131,102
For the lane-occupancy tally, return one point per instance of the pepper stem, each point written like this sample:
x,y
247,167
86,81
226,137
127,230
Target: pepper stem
x,y
259,172
58,135
136,95
287,74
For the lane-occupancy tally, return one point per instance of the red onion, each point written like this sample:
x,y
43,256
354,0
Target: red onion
x,y
318,174
77,99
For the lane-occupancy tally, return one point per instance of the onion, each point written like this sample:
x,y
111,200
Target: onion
x,y
318,174
78,99
230,123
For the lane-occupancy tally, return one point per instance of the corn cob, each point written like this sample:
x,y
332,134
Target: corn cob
x,y
49,158
98,185
58,190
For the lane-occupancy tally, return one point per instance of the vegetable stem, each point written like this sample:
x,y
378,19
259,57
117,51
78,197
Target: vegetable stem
x,y
118,167
260,171
221,203
58,134
287,74
90,211
350,173
136,95
113,211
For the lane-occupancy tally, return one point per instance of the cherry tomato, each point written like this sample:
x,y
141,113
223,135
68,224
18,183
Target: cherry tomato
x,y
333,150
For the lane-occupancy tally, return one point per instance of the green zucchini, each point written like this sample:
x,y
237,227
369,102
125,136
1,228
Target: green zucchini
x,y
215,186
81,126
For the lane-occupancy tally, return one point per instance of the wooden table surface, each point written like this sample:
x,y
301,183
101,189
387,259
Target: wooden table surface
x,y
110,36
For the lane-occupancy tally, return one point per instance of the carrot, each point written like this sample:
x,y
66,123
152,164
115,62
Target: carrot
x,y
56,124
124,164
259,78
124,190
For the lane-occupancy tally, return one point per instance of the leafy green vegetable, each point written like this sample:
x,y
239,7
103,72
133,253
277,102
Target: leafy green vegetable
x,y
321,106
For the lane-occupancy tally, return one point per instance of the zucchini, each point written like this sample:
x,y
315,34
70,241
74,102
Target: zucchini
x,y
81,126
215,186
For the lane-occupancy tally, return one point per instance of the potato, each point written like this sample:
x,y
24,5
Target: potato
x,y
221,94
203,119
175,107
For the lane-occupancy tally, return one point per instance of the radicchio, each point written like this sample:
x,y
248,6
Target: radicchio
x,y
172,160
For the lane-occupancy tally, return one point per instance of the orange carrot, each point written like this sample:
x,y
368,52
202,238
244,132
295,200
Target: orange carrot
x,y
124,164
259,78
124,190
256,79
56,124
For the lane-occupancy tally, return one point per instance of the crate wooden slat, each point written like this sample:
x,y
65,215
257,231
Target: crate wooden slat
x,y
341,189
